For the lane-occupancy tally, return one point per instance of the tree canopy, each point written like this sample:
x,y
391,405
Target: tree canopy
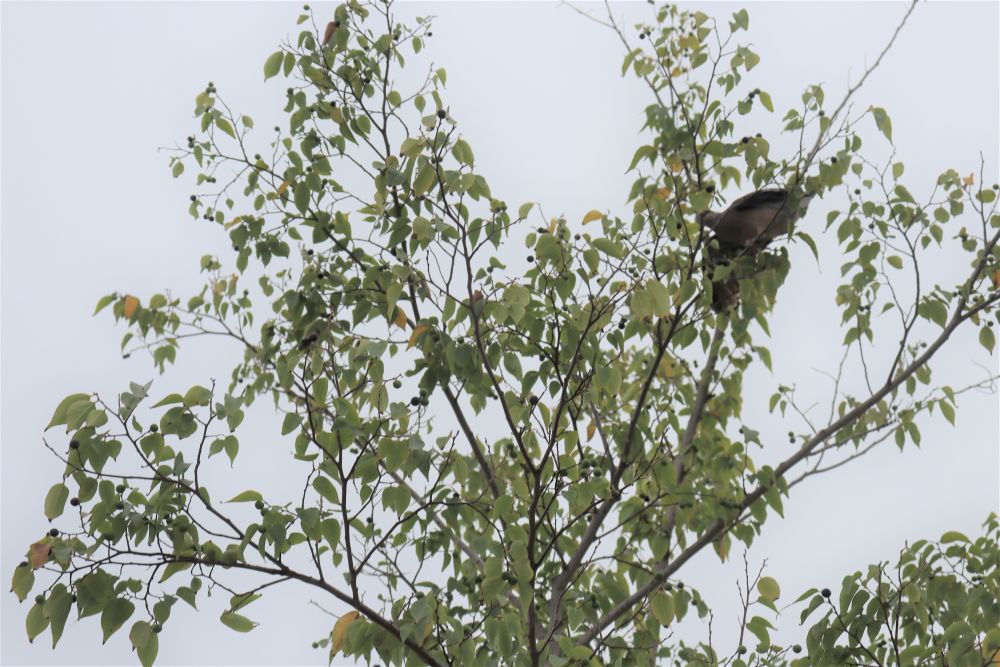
x,y
384,321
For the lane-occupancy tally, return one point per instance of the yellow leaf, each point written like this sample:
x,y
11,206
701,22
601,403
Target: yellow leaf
x,y
768,588
340,630
552,225
417,330
592,215
722,548
235,221
677,71
401,318
131,303
969,180
675,164
591,429
282,188
996,279
663,193
39,554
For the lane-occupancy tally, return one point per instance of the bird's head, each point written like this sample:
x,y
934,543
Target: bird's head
x,y
709,219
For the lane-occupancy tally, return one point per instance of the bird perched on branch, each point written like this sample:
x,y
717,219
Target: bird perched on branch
x,y
749,224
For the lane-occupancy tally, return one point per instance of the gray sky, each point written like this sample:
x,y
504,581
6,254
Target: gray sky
x,y
90,91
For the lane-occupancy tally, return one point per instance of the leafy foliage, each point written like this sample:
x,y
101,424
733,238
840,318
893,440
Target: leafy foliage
x,y
396,305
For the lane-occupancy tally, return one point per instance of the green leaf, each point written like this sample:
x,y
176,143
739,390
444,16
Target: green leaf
x,y
55,501
290,423
172,398
57,608
196,395
954,536
424,180
24,579
273,64
642,152
36,622
663,608
987,338
325,488
768,588
301,196
115,613
883,122
895,261
935,311
765,99
106,300
742,19
147,652
59,416
525,209
140,634
246,497
237,622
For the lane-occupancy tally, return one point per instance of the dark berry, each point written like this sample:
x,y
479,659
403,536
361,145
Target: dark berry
x,y
157,628
54,532
39,599
74,501
442,114
74,444
415,401
153,428
533,400
825,593
530,258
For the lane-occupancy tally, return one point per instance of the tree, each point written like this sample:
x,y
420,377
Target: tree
x,y
626,452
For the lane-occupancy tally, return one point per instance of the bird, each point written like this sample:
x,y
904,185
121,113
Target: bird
x,y
749,224
756,219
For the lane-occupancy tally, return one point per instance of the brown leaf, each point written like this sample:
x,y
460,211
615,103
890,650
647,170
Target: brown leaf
x,y
663,193
131,303
282,188
417,330
592,215
328,35
995,277
401,318
340,631
969,180
39,555
591,429
477,296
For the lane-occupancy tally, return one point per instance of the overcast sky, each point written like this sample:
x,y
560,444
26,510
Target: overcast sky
x,y
90,91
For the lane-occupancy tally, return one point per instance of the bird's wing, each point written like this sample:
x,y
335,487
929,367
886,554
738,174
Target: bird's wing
x,y
770,198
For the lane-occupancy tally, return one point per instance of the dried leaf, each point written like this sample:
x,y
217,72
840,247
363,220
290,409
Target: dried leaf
x,y
328,34
995,277
592,215
340,631
131,303
401,318
591,429
663,193
969,180
417,331
282,188
39,554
